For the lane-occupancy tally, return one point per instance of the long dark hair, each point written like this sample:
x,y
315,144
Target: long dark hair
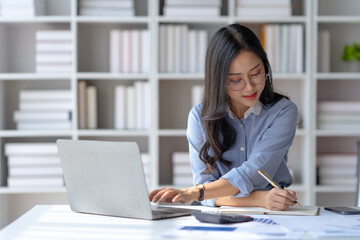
x,y
224,46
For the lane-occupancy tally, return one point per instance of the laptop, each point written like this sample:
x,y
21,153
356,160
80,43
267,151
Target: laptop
x,y
107,178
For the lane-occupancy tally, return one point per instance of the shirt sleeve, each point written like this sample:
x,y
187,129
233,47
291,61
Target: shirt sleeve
x,y
267,153
196,140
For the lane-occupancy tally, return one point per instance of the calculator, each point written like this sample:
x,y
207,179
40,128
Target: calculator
x,y
211,217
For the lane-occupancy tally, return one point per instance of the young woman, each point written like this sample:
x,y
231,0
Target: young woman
x,y
241,126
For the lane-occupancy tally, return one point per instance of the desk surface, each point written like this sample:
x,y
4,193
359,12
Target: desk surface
x,y
59,222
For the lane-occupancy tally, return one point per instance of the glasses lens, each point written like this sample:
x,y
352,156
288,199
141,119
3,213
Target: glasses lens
x,y
258,79
237,85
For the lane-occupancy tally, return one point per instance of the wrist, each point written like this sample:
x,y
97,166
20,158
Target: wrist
x,y
200,188
258,198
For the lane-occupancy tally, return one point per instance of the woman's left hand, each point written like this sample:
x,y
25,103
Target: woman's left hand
x,y
173,195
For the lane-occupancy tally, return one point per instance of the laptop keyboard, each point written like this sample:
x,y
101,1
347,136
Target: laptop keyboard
x,y
166,210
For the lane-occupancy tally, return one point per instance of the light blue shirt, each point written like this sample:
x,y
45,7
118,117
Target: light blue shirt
x,y
263,138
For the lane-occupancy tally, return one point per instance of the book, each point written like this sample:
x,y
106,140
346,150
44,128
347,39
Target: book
x,y
114,51
130,107
163,48
120,107
35,182
292,210
193,3
324,51
53,58
245,11
35,171
91,95
38,115
263,2
82,104
53,35
107,12
61,125
42,105
54,68
27,149
45,95
200,11
193,48
53,47
45,160
106,3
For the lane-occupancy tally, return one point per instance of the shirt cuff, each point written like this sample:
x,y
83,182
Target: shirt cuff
x,y
243,184
208,202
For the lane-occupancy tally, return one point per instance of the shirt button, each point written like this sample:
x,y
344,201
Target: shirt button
x,y
241,125
242,149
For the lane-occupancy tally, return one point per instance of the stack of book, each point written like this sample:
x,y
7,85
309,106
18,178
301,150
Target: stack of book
x,y
21,8
33,165
182,174
53,51
145,157
337,169
250,8
104,8
181,49
44,110
193,8
129,51
284,46
133,106
339,115
87,106
197,92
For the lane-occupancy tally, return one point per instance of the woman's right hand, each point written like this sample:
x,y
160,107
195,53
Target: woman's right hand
x,y
173,195
278,199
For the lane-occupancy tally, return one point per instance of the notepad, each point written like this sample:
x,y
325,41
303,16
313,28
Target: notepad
x,y
292,210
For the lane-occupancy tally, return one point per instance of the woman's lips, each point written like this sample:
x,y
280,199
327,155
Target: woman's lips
x,y
250,97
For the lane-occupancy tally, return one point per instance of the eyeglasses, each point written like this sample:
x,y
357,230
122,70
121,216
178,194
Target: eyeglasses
x,y
239,84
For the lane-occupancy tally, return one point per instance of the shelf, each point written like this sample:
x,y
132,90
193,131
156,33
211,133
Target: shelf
x,y
31,190
111,76
35,133
172,132
338,76
112,19
337,19
275,19
113,133
289,76
204,20
338,133
332,189
34,76
181,76
182,132
38,19
201,76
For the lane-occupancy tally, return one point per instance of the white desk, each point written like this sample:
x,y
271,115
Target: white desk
x,y
59,222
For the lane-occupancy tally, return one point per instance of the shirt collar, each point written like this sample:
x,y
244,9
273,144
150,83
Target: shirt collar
x,y
256,109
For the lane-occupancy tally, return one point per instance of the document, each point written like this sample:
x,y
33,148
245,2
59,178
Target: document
x,y
248,230
292,210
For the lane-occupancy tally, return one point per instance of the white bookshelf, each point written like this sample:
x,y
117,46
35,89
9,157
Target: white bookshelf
x,y
340,19
170,92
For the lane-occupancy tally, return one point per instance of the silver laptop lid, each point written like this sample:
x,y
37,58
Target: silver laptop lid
x,y
105,178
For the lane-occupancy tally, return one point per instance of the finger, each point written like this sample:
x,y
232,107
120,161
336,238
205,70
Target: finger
x,y
286,194
154,192
158,195
177,198
168,195
293,193
282,197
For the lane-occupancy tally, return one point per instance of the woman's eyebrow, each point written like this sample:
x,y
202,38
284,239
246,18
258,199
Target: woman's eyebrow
x,y
249,70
